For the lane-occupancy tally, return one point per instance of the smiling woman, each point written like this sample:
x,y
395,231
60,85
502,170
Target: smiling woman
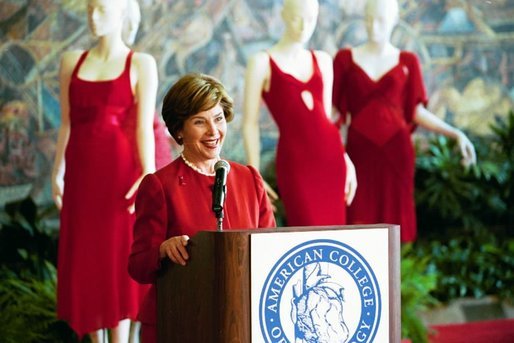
x,y
175,202
203,135
198,121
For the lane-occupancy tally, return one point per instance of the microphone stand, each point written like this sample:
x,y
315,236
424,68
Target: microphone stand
x,y
219,216
218,211
220,191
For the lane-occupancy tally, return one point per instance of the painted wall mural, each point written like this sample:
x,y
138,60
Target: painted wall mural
x,y
466,47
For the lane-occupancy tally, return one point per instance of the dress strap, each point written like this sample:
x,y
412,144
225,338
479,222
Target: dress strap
x,y
128,61
315,68
79,63
272,62
315,65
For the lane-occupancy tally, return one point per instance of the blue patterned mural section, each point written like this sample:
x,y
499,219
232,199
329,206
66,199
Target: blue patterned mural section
x,y
466,47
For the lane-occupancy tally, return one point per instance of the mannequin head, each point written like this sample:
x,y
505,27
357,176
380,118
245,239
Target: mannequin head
x,y
381,17
106,16
132,21
300,17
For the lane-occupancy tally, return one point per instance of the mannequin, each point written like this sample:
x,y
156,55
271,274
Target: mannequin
x,y
131,22
107,100
163,141
385,102
315,176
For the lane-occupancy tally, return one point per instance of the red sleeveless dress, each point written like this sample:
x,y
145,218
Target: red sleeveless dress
x,y
379,138
94,288
310,165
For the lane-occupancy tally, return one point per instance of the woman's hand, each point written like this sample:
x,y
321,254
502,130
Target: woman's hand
x,y
467,150
175,249
350,185
57,190
131,193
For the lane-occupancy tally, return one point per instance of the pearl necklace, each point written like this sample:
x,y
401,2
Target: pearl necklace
x,y
195,168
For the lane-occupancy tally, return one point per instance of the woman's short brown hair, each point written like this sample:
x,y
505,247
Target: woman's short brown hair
x,y
191,94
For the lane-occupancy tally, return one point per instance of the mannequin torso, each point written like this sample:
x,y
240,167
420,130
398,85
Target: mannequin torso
x,y
297,64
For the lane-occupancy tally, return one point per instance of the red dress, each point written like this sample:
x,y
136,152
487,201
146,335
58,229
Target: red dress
x,y
310,165
94,288
379,138
175,201
163,153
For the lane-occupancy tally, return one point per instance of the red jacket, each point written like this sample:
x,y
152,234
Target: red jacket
x,y
176,200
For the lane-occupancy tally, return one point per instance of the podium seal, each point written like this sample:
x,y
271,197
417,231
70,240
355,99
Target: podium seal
x,y
320,291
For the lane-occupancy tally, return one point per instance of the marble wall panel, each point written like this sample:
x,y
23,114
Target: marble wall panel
x,y
466,48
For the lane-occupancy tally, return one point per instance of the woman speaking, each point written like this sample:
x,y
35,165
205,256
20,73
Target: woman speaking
x,y
175,202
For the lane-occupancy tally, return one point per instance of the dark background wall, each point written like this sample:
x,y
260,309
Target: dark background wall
x,y
466,47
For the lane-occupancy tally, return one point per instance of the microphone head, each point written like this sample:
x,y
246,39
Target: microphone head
x,y
222,164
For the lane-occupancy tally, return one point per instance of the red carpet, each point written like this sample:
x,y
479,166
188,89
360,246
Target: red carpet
x,y
493,331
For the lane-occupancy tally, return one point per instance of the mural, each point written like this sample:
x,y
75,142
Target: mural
x,y
466,47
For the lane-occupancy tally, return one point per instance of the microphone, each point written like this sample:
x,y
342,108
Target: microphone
x,y
220,187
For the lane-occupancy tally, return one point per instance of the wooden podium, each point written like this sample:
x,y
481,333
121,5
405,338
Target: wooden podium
x,y
209,300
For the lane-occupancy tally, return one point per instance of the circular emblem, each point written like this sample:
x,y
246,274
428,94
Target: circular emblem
x,y
320,291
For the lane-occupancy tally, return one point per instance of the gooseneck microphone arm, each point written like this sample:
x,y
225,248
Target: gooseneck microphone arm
x,y
219,191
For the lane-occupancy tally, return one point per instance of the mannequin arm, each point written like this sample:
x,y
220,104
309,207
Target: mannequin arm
x,y
325,65
430,121
350,186
255,78
146,93
68,61
257,74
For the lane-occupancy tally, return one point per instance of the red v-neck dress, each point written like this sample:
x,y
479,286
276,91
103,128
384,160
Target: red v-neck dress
x,y
379,138
94,288
310,165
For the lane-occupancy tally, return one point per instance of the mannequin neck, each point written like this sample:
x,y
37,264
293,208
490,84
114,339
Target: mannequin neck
x,y
287,44
288,48
378,49
109,47
376,59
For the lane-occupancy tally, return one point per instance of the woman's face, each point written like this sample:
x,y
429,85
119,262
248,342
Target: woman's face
x,y
300,18
381,17
203,134
105,16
